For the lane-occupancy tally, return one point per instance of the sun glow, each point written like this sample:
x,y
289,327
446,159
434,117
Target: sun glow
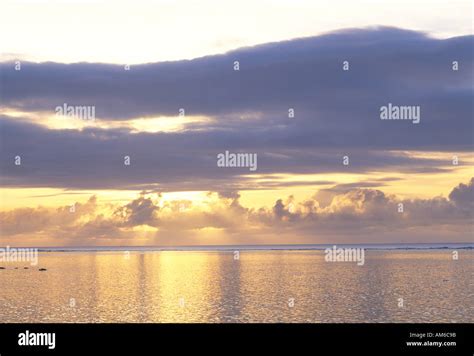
x,y
136,125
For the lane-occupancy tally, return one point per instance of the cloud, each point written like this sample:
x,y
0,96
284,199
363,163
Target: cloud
x,y
357,216
463,195
304,72
34,220
337,112
140,211
94,159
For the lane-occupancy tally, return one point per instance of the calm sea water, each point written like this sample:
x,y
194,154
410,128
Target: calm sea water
x,y
260,286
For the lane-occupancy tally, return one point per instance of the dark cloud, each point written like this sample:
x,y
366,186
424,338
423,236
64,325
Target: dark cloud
x,y
337,112
94,158
463,195
139,211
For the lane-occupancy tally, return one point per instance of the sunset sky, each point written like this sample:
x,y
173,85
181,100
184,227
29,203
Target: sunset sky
x,y
73,188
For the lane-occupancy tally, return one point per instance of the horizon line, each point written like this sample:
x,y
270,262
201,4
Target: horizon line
x,y
249,247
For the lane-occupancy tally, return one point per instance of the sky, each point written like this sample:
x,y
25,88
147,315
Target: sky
x,y
148,31
167,96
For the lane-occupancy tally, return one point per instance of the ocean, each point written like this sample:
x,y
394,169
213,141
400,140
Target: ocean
x,y
240,284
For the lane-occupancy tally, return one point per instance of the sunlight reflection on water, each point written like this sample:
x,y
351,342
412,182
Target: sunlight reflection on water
x,y
199,286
